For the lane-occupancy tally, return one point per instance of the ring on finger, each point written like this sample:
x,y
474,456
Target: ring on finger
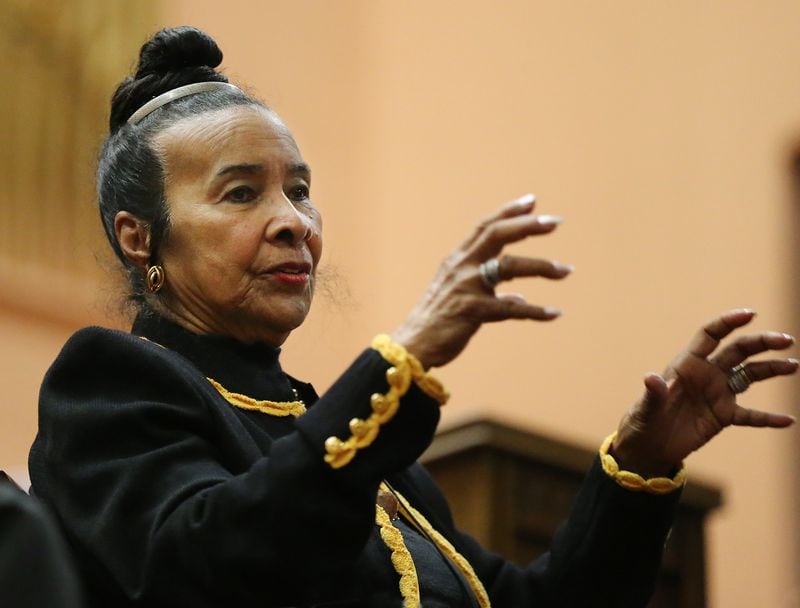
x,y
490,272
738,379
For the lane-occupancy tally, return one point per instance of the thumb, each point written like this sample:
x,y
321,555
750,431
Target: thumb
x,y
655,395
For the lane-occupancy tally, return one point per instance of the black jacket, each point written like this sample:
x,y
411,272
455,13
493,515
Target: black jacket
x,y
169,495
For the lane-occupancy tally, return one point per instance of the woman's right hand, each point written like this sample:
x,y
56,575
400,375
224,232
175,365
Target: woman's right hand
x,y
458,300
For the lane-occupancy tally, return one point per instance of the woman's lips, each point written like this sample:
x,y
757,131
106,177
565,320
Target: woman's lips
x,y
292,278
292,273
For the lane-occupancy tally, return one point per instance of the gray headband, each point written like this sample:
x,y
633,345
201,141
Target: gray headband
x,y
184,91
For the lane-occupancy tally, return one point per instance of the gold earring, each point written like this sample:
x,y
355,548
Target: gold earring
x,y
154,278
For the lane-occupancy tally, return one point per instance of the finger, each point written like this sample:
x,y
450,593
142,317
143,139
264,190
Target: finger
x,y
512,296
514,306
706,340
513,267
494,237
743,416
763,370
521,206
747,346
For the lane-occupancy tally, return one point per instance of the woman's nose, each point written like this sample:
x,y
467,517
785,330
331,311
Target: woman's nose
x,y
286,224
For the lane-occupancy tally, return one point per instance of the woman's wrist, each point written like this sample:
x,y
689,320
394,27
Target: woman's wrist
x,y
632,459
645,479
412,345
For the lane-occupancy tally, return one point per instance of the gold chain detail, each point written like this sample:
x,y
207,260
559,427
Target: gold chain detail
x,y
405,369
272,408
364,432
634,481
412,515
401,558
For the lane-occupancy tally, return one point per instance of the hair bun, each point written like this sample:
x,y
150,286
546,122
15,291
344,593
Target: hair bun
x,y
173,57
178,48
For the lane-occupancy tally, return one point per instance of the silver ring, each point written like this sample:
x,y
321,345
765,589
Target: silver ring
x,y
490,272
738,379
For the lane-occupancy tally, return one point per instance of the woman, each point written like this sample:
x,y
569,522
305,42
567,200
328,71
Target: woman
x,y
186,467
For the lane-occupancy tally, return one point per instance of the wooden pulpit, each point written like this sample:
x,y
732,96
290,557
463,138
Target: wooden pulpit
x,y
511,489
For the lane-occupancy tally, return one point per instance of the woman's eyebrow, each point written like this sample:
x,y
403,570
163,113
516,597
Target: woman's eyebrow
x,y
253,169
299,168
249,169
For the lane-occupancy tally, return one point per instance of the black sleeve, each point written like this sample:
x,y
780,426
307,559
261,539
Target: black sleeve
x,y
166,497
607,553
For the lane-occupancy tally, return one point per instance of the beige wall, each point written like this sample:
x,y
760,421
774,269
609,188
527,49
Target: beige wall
x,y
62,59
662,132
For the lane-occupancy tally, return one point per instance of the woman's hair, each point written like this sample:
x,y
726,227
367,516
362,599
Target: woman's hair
x,y
130,176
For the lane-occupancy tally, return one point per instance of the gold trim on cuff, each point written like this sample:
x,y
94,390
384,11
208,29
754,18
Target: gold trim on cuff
x,y
634,481
405,369
396,354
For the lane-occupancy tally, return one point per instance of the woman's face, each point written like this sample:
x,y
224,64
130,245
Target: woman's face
x,y
245,239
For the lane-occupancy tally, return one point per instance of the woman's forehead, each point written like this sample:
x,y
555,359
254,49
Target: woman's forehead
x,y
219,137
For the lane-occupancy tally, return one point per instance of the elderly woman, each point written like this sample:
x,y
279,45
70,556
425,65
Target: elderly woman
x,y
187,468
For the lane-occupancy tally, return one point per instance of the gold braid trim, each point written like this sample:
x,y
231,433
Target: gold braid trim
x,y
418,519
401,558
405,369
396,354
634,481
272,408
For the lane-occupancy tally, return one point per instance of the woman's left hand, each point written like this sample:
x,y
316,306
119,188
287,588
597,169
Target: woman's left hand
x,y
686,407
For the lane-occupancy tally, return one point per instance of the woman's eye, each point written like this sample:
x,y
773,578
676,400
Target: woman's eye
x,y
241,194
299,193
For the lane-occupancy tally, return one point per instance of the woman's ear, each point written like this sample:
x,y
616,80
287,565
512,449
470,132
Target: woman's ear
x,y
133,236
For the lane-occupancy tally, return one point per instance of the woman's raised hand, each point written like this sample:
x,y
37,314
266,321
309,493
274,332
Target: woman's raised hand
x,y
461,296
694,399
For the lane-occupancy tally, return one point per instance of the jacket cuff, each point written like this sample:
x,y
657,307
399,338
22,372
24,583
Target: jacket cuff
x,y
369,395
405,369
634,481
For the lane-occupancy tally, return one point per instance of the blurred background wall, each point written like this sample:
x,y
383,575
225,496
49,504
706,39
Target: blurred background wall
x,y
667,135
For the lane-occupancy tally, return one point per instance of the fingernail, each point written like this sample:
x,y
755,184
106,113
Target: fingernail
x,y
524,202
779,335
552,312
793,361
748,311
517,297
550,220
563,267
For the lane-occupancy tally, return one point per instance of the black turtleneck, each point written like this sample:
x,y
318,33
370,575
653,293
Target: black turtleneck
x,y
252,369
